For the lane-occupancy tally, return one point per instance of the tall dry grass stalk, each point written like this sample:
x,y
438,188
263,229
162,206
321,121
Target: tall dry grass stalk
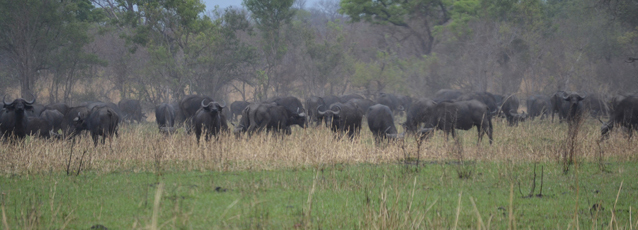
x,y
143,148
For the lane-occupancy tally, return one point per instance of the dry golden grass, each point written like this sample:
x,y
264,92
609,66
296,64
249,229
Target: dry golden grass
x,y
142,148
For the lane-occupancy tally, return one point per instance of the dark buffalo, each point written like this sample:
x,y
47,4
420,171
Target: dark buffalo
x,y
14,121
54,118
392,101
69,127
346,98
344,118
189,106
485,97
363,104
40,127
61,107
418,114
448,116
35,110
615,100
447,95
269,116
596,106
625,115
498,99
559,106
100,121
405,101
573,108
179,116
509,109
209,120
539,105
236,108
131,110
165,115
381,122
312,103
292,104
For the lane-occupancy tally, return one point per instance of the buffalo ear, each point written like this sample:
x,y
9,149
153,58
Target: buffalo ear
x,y
580,98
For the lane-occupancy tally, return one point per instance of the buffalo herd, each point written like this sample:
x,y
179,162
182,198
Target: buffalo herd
x,y
448,110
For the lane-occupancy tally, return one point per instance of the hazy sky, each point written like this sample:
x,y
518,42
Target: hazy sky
x,y
210,4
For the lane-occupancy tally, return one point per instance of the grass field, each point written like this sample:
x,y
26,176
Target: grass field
x,y
145,180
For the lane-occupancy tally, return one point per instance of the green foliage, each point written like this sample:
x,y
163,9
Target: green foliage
x,y
383,75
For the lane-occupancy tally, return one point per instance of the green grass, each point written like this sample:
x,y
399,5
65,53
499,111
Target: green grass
x,y
345,197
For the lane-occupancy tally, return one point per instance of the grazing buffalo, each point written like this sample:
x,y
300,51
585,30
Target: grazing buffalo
x,y
54,118
484,97
625,115
447,95
381,122
448,116
100,121
292,104
131,110
344,118
539,105
596,106
61,107
269,116
14,121
509,109
209,120
165,115
498,99
418,114
236,108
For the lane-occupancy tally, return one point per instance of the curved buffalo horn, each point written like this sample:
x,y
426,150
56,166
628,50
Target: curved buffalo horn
x,y
581,98
223,106
601,121
203,103
32,101
4,100
400,108
338,111
319,111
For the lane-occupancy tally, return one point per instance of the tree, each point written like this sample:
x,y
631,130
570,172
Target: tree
x,y
32,30
270,17
416,19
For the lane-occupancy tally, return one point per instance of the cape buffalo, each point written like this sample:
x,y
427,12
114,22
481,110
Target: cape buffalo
x,y
209,120
69,127
573,107
484,97
131,110
40,127
311,103
418,114
269,116
189,106
381,122
539,105
236,108
363,104
509,109
344,118
165,115
448,116
54,118
559,106
292,104
61,107
625,115
179,116
14,121
100,121
447,95
392,101
346,98
596,106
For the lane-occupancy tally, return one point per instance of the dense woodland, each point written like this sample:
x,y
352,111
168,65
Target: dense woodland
x,y
160,50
